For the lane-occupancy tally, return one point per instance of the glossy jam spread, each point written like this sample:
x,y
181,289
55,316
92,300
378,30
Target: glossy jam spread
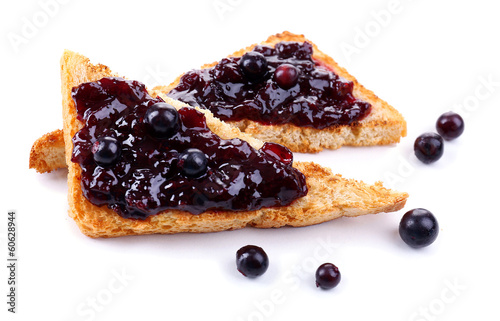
x,y
139,156
273,86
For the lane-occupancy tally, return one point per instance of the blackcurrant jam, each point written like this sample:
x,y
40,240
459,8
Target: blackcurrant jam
x,y
177,163
276,85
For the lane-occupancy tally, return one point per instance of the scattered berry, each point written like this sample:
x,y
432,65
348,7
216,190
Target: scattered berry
x,y
106,151
251,261
286,76
162,120
327,276
418,228
429,147
450,125
253,65
193,162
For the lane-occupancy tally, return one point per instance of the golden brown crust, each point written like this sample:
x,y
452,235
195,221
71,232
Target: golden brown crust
x,y
47,153
330,196
384,125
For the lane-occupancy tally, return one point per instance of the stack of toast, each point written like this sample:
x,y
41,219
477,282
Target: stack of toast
x,y
330,195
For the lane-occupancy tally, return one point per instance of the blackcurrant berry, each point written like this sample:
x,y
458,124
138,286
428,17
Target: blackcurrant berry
x,y
286,76
251,261
450,125
106,151
429,147
327,276
162,120
193,162
253,65
418,228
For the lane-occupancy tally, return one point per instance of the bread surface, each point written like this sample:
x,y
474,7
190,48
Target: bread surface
x,y
384,125
47,153
330,195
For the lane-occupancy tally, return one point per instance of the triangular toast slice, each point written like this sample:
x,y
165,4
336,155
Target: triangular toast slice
x,y
330,196
383,125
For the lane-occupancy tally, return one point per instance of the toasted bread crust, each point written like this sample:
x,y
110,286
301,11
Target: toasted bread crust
x,y
47,153
330,196
384,125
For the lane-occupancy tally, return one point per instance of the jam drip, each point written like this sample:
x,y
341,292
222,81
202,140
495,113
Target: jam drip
x,y
126,167
319,98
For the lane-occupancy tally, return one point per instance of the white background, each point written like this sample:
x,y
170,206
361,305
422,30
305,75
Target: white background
x,y
424,57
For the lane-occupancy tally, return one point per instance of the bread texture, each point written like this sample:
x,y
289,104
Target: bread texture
x,y
384,125
330,196
47,153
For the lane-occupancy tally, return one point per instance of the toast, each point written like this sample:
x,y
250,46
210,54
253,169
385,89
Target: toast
x,y
47,153
330,196
383,125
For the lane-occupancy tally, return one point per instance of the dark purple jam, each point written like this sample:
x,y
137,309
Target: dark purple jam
x,y
138,172
247,87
